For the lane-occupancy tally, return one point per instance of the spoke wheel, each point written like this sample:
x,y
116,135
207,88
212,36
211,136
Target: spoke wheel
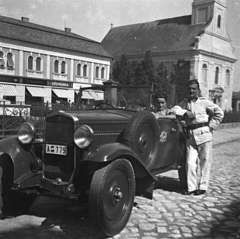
x,y
111,197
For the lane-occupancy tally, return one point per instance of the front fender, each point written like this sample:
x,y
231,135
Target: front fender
x,y
21,157
112,151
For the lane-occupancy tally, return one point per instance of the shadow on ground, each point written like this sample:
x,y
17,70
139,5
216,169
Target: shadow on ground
x,y
51,218
168,184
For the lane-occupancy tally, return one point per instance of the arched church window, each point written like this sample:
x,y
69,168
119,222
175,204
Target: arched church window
x,y
216,75
204,73
228,75
219,21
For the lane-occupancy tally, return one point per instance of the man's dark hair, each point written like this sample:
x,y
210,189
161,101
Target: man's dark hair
x,y
194,81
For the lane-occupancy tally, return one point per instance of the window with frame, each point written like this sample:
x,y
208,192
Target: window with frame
x,y
63,67
216,75
38,63
228,77
10,63
204,73
56,63
78,69
30,63
102,72
219,21
2,62
97,72
85,70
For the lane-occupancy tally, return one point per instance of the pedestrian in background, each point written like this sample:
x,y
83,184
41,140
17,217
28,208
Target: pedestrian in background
x,y
195,111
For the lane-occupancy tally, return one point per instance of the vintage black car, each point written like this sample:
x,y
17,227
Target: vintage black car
x,y
104,152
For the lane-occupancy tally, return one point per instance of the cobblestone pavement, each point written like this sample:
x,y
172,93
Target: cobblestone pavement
x,y
213,215
169,215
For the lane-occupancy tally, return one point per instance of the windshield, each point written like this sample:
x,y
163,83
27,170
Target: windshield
x,y
121,97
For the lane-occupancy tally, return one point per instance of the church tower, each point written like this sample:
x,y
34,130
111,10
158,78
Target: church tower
x,y
212,12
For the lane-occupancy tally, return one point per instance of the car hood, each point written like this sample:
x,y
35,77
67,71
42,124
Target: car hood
x,y
103,115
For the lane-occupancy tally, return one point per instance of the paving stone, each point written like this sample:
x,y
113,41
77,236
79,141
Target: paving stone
x,y
162,230
147,226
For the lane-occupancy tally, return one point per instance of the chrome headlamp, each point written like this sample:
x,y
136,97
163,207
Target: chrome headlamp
x,y
26,133
83,136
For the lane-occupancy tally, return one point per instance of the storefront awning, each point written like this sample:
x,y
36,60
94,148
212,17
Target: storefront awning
x,y
9,90
96,95
61,93
85,95
37,91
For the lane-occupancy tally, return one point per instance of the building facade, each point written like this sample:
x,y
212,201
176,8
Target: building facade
x,y
200,39
38,63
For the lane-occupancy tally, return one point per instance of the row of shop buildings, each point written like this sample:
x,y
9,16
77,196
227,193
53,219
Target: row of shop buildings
x,y
42,64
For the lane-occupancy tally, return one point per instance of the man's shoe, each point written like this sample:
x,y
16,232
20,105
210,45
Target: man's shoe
x,y
199,192
189,193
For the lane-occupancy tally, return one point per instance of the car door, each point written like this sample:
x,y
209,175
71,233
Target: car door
x,y
169,143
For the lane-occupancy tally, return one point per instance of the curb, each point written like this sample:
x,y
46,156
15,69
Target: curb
x,y
229,125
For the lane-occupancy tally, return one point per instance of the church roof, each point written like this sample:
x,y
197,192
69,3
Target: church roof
x,y
26,31
168,35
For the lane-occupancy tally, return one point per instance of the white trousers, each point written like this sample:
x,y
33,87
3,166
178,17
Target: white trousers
x,y
198,163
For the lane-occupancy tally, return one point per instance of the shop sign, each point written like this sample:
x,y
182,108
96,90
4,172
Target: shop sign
x,y
34,81
9,79
60,84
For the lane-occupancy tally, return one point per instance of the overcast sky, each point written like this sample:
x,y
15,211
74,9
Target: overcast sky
x,y
93,18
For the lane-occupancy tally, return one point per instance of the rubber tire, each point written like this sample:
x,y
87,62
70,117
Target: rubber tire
x,y
142,136
14,202
108,215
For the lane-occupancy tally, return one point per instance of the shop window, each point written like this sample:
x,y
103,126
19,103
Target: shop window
x,y
56,63
30,63
78,69
204,73
85,70
63,67
102,72
10,63
228,77
97,72
38,64
219,21
2,62
216,75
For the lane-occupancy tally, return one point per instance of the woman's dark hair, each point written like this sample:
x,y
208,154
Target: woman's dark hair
x,y
161,95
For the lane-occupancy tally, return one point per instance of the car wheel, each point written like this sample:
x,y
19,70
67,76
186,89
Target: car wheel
x,y
111,197
142,136
14,202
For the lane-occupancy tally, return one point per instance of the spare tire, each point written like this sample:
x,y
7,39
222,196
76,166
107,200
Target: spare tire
x,y
142,136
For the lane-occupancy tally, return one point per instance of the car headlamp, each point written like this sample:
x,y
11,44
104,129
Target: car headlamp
x,y
26,133
83,136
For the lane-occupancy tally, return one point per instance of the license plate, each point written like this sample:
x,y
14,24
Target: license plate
x,y
56,149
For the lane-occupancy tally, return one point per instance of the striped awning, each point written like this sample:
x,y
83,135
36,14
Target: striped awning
x,y
9,90
61,93
96,95
37,91
85,95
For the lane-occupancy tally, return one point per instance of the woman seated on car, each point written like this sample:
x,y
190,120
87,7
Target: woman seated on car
x,y
161,110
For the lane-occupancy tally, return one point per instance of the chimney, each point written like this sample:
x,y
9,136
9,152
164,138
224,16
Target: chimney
x,y
67,29
25,19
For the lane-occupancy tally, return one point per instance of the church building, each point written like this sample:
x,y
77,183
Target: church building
x,y
201,39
